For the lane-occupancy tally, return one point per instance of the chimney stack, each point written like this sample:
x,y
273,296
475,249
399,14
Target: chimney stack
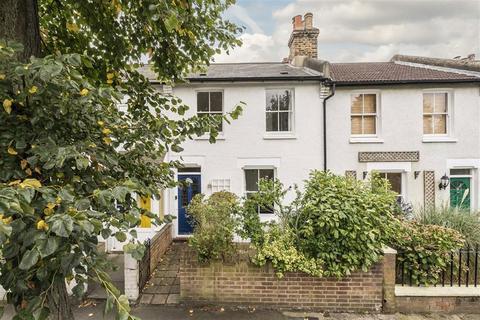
x,y
303,40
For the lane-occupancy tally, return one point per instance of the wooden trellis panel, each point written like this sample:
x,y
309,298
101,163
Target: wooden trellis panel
x,y
428,188
394,156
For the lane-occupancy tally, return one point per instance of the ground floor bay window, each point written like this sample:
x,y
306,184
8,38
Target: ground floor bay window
x,y
252,177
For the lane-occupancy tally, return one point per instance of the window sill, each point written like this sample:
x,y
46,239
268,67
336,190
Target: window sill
x,y
220,136
439,140
279,136
365,140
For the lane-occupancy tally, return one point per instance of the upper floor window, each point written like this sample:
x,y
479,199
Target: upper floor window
x,y
364,114
210,103
435,113
279,110
252,177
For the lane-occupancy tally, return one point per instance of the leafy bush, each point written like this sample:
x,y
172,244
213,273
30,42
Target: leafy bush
x,y
279,248
216,223
344,222
337,225
464,221
424,249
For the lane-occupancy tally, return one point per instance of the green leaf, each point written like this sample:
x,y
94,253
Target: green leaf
x,y
120,193
121,236
62,225
49,246
82,163
29,259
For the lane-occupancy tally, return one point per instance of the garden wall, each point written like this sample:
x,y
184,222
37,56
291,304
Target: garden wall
x,y
159,244
242,283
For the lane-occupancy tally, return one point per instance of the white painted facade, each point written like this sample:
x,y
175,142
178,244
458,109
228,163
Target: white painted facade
x,y
400,123
245,143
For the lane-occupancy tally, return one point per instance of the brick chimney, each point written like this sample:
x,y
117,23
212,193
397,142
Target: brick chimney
x,y
303,40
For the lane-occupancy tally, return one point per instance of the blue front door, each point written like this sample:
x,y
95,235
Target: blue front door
x,y
190,187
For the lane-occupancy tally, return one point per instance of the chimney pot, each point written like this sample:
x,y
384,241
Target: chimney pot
x,y
308,18
297,22
303,39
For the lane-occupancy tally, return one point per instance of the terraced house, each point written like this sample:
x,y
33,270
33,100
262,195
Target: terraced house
x,y
415,120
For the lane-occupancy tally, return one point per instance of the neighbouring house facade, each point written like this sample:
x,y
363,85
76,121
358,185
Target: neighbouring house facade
x,y
415,120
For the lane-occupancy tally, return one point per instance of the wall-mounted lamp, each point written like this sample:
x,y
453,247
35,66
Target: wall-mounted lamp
x,y
444,182
416,174
365,173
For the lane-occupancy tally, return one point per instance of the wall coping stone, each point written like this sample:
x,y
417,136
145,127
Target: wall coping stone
x,y
388,250
462,291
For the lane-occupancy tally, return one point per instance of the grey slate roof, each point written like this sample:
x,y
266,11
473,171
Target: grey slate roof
x,y
392,73
259,71
254,72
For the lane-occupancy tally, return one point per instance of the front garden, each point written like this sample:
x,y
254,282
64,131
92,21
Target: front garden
x,y
333,227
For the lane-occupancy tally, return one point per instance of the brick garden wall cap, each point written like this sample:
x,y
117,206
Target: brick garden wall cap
x,y
388,250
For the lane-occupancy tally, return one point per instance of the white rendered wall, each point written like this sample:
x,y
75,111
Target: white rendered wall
x,y
402,130
244,142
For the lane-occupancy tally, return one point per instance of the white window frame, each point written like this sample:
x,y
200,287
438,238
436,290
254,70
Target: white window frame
x,y
209,90
291,112
258,168
367,138
441,137
403,181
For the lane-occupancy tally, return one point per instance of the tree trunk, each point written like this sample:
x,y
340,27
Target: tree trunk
x,y
19,21
58,302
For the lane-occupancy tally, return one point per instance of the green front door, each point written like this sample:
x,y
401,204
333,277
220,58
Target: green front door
x,y
460,192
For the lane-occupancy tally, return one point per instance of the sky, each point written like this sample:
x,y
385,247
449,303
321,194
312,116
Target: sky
x,y
358,30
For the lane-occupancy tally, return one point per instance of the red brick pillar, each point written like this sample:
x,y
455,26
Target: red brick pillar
x,y
389,305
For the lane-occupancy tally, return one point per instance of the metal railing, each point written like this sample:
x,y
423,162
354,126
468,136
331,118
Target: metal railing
x,y
462,269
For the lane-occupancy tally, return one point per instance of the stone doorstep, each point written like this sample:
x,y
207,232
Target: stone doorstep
x,y
462,291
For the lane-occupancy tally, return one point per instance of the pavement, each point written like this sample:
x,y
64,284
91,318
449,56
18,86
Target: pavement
x,y
94,310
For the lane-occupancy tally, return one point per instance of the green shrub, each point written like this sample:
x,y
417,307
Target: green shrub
x,y
336,226
216,223
424,249
279,249
344,222
462,220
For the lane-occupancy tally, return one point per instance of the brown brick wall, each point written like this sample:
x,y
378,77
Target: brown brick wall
x,y
438,304
242,283
159,244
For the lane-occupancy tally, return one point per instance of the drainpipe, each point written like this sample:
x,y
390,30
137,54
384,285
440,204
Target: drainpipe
x,y
332,93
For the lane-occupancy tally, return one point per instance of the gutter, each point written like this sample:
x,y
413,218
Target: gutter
x,y
398,82
332,93
256,79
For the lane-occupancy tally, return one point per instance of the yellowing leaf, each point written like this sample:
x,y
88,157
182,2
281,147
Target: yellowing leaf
x,y
2,76
106,131
28,171
73,27
23,164
14,182
84,92
33,183
7,105
107,140
12,151
110,75
109,81
100,123
42,225
7,220
37,170
33,89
